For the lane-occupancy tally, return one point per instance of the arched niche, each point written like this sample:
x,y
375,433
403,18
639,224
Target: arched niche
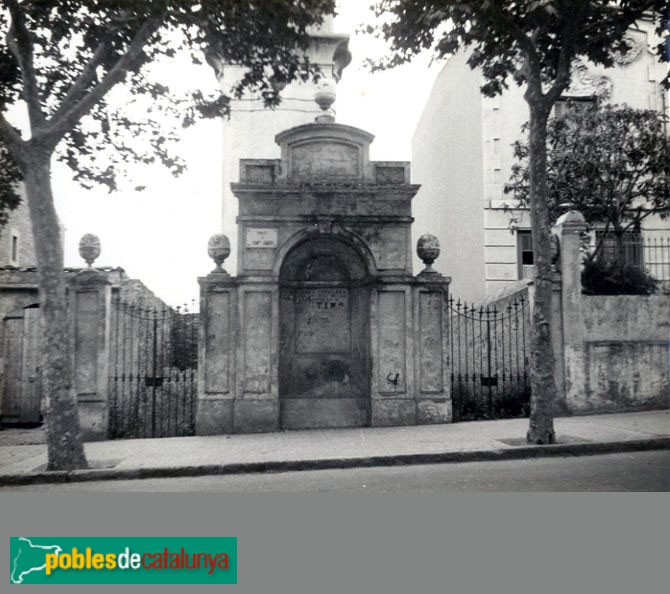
x,y
324,369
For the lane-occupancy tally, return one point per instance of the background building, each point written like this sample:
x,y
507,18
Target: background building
x,y
16,239
462,156
252,128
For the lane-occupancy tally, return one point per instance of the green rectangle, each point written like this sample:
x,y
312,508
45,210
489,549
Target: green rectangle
x,y
122,560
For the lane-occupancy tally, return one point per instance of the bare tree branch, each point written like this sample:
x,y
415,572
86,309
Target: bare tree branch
x,y
21,46
562,80
79,86
68,120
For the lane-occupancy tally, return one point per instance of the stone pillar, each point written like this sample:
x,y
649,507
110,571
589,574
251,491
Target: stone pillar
x,y
392,349
568,229
256,408
216,345
216,355
90,304
432,384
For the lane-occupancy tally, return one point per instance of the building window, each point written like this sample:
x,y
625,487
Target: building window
x,y
632,247
14,250
564,104
525,256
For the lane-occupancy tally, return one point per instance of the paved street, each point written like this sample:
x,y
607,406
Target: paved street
x,y
640,471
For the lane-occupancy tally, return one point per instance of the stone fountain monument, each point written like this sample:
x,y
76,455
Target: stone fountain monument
x,y
325,324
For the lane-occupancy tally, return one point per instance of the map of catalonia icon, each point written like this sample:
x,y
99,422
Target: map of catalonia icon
x,y
28,557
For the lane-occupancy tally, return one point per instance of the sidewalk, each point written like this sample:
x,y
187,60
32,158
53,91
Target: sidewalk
x,y
336,448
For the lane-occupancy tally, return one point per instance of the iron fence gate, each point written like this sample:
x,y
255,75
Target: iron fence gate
x,y
153,371
489,350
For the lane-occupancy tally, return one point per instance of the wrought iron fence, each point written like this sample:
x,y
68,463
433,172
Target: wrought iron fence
x,y
656,257
651,254
489,357
153,370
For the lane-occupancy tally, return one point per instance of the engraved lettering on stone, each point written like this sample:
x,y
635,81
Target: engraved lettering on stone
x,y
261,238
322,321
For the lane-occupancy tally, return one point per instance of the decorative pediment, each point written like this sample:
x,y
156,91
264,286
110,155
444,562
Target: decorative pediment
x,y
325,151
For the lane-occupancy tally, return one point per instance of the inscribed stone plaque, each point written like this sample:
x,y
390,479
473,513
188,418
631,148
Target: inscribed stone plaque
x,y
322,321
261,238
325,159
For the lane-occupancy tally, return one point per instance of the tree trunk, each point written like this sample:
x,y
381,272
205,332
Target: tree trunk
x,y
543,386
64,439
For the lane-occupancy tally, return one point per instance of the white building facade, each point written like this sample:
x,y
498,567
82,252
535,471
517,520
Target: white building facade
x,y
462,156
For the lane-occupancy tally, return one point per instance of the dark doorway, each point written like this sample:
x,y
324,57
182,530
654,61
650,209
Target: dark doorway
x,y
324,362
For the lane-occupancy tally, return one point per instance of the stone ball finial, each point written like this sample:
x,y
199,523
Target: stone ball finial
x,y
325,97
218,249
428,249
89,248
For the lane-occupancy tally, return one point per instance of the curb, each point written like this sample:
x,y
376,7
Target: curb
x,y
511,453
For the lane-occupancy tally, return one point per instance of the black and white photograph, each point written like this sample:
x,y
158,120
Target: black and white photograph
x,y
396,249
334,246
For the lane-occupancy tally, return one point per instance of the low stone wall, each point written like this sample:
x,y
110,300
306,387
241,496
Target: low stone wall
x,y
613,350
626,353
93,332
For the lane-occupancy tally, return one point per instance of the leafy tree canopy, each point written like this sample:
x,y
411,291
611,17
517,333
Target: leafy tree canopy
x,y
612,163
62,57
530,41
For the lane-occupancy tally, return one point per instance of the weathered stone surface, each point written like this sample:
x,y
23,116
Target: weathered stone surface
x,y
430,412
322,322
324,326
615,348
314,160
431,356
392,336
86,341
93,417
313,413
218,342
625,376
256,336
388,245
391,173
214,417
625,355
256,416
325,294
626,317
390,412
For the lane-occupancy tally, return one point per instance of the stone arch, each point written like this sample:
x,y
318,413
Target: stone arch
x,y
336,234
324,318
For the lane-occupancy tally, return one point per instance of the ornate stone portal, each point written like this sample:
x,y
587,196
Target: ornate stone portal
x,y
325,325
